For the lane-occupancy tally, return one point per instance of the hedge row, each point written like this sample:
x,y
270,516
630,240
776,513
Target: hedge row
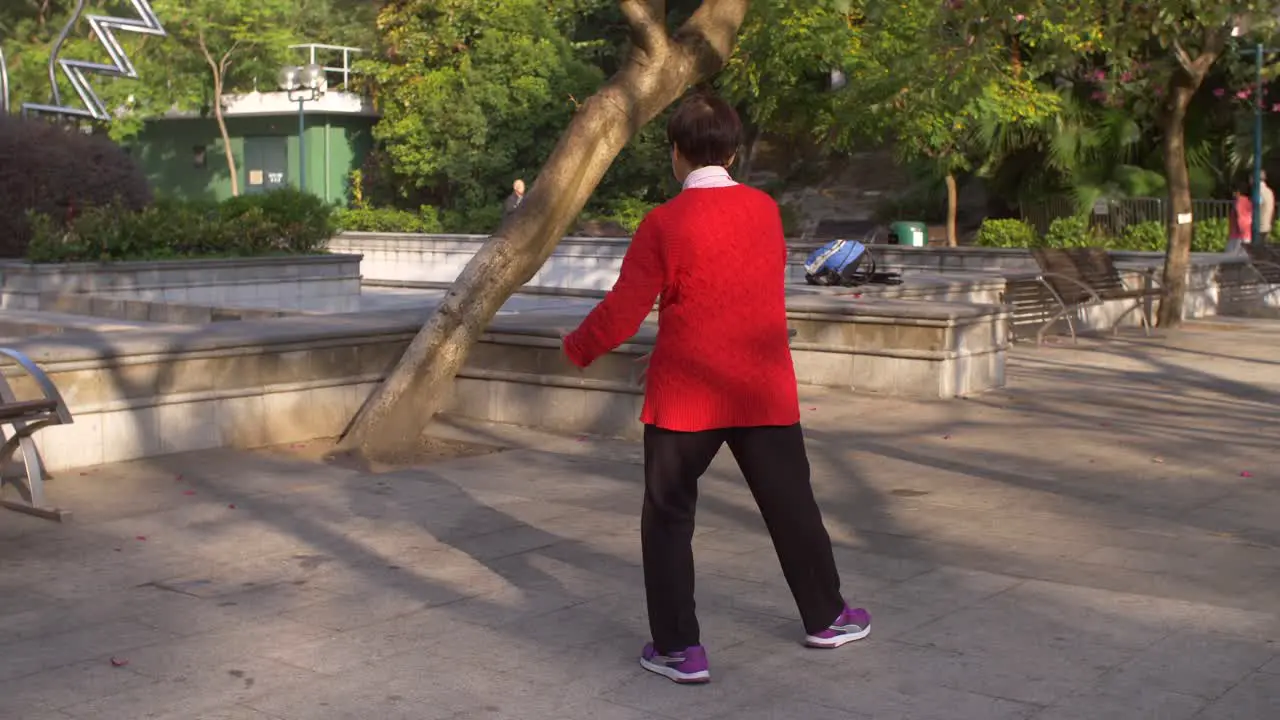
x,y
282,222
1207,235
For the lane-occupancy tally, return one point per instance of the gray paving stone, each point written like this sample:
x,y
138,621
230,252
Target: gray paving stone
x,y
1067,580
65,686
1140,704
95,642
1257,696
211,686
791,709
1192,663
337,652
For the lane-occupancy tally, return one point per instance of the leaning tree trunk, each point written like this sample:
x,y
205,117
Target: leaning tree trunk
x,y
659,69
1177,260
953,199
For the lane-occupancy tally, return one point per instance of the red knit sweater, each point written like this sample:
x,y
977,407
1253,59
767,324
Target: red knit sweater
x,y
718,259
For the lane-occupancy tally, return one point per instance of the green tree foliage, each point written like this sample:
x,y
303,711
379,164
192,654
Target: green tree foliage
x,y
174,73
474,95
781,70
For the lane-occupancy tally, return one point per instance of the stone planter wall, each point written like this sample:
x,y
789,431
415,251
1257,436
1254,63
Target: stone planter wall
x,y
262,382
321,282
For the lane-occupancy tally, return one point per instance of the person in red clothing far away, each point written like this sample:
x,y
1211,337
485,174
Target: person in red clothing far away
x,y
1241,222
720,373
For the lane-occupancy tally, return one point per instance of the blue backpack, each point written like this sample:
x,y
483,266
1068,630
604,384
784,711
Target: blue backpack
x,y
847,263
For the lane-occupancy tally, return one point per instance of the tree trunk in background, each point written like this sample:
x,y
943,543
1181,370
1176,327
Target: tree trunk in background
x,y
953,199
1187,78
748,156
1177,261
226,137
659,69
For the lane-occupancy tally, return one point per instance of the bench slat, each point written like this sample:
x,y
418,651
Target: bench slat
x,y
26,408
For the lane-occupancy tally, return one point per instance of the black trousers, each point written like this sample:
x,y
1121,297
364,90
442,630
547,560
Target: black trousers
x,y
776,468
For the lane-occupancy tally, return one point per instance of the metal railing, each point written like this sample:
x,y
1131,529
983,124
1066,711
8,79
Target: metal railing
x,y
317,50
1113,216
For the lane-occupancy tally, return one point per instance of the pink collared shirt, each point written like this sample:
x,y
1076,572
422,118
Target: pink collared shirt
x,y
711,176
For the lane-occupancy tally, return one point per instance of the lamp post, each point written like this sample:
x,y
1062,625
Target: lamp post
x,y
303,84
1259,53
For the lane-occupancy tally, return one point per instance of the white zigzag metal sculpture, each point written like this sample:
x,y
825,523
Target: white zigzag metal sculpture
x,y
104,28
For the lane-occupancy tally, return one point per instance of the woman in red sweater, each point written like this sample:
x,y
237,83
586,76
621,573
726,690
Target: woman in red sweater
x,y
721,372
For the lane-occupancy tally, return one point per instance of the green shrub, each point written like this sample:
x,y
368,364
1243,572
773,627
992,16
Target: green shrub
x,y
302,222
280,222
391,220
1005,233
1147,236
1070,232
628,212
478,221
50,170
1210,235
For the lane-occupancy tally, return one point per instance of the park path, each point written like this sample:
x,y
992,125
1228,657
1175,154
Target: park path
x,y
1098,541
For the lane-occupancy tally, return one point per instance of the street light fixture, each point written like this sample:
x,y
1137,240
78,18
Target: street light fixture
x,y
303,84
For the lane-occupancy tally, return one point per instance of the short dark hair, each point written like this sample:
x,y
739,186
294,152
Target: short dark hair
x,y
706,130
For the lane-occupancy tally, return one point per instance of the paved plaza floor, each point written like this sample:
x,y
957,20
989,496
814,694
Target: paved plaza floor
x,y
1097,542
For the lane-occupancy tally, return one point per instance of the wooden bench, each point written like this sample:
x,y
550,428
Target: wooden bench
x,y
19,421
1077,278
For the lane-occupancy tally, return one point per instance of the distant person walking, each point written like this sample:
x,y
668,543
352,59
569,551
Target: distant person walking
x,y
1241,223
514,199
1268,215
721,373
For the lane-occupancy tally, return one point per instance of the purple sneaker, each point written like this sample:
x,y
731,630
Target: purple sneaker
x,y
687,667
853,624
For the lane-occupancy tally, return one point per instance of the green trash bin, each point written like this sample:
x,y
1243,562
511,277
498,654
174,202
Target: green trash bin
x,y
914,234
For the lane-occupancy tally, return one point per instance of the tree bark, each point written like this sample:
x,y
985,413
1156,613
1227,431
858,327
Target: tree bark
x,y
953,199
1187,77
1178,253
226,137
219,71
658,70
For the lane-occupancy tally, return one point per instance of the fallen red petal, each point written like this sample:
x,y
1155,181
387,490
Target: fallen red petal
x,y
1246,474
232,506
141,537
118,662
188,492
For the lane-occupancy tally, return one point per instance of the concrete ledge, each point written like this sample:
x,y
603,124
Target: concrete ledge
x,y
254,383
145,310
288,281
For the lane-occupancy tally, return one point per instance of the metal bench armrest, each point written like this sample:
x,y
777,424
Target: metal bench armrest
x,y
47,388
1093,294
